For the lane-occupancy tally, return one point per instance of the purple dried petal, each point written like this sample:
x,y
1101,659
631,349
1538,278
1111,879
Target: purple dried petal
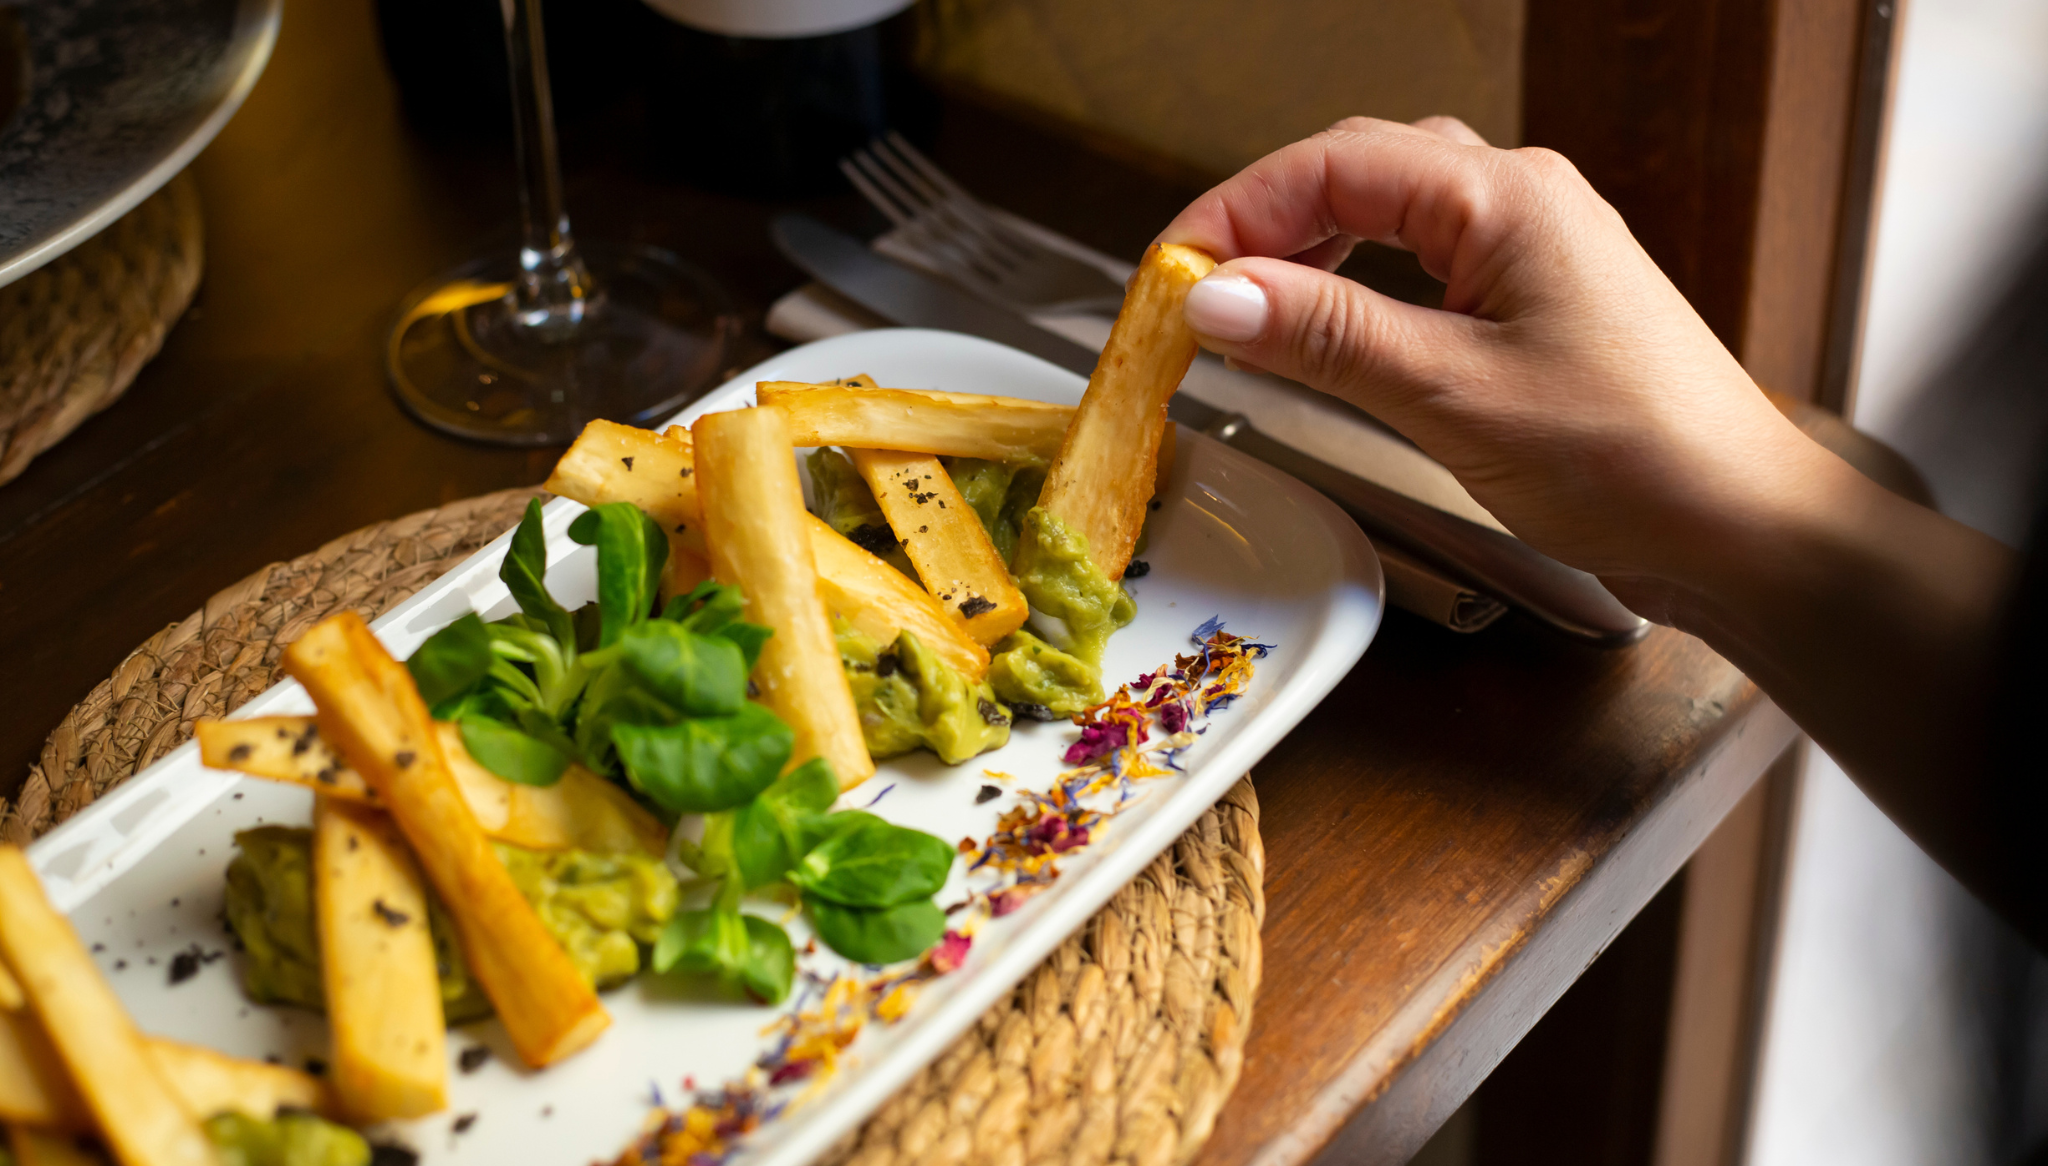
x,y
1174,717
1097,741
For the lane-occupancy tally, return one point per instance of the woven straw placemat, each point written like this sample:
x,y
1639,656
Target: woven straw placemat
x,y
74,333
1120,1048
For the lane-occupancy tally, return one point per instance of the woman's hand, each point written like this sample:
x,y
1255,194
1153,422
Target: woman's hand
x,y
1579,398
1565,382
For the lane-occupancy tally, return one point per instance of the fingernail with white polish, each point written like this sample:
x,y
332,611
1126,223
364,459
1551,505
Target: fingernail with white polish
x,y
1230,308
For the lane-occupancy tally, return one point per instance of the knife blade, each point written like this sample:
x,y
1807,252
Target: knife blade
x,y
1566,598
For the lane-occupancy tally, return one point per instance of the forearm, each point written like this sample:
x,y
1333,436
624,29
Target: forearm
x,y
1875,624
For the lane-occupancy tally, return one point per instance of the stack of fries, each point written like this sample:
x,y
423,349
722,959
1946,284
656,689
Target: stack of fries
x,y
403,810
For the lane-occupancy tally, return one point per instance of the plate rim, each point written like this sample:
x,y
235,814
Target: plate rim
x,y
257,19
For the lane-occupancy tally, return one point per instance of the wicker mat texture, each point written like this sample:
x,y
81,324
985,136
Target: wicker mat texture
x,y
1120,1048
74,333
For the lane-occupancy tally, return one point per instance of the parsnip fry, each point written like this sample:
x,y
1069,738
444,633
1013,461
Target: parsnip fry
x,y
1106,469
1001,429
869,593
759,537
945,540
377,966
34,1087
582,810
141,1119
36,1091
372,714
610,462
210,1082
42,1147
880,601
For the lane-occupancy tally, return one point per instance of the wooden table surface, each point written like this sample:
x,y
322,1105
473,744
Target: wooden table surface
x,y
1451,837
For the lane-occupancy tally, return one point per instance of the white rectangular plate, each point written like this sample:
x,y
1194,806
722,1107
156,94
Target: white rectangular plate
x,y
140,872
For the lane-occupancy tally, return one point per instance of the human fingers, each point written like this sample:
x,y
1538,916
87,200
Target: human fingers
x,y
1327,332
1456,207
1452,130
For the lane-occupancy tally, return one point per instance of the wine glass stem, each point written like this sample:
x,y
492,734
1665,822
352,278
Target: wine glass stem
x,y
554,287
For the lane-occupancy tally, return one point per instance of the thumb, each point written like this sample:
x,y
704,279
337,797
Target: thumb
x,y
1326,331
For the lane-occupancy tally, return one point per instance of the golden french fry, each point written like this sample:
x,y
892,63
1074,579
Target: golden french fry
x,y
869,593
35,1089
140,1117
1000,429
882,603
582,810
44,1147
1106,469
389,1057
371,712
610,462
34,1086
945,540
760,540
210,1082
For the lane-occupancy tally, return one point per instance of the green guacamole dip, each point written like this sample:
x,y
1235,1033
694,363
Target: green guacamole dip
x,y
1000,494
1025,670
600,907
291,1139
909,697
841,497
1056,575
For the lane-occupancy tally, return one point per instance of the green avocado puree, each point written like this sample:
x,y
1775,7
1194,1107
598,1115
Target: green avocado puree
x,y
290,1139
908,697
1056,575
840,496
599,907
1026,670
1000,494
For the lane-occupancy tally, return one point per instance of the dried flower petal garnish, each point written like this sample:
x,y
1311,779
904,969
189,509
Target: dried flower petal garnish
x,y
1117,748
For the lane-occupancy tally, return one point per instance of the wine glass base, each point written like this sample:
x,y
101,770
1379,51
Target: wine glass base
x,y
653,337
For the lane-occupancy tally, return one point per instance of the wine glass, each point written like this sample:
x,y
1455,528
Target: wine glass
x,y
525,348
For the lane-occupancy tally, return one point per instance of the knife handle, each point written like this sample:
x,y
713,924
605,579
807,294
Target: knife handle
x,y
1501,565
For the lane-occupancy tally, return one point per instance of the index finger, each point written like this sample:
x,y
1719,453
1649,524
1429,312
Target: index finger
x,y
1377,180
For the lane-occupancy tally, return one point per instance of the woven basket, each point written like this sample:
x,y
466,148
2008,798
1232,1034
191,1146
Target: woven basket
x,y
74,333
1120,1048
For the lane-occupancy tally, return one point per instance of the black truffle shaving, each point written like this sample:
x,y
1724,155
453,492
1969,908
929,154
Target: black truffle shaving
x,y
974,605
1137,569
393,1154
991,712
874,537
1033,712
887,664
987,793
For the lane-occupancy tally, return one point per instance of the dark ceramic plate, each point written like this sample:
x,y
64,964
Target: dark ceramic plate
x,y
108,100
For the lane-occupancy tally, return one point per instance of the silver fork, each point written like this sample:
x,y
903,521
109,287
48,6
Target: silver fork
x,y
968,242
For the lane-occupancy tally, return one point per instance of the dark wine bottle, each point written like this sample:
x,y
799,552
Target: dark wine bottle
x,y
763,97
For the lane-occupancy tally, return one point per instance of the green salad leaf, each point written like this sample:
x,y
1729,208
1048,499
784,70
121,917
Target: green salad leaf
x,y
512,753
873,863
631,551
705,764
878,936
452,660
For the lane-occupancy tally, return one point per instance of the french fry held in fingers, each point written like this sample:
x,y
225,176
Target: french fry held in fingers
x,y
138,1115
759,536
1000,429
869,593
945,540
389,1057
371,712
582,810
609,462
1107,465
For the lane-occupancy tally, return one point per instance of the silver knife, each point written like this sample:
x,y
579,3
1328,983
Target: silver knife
x,y
1499,564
